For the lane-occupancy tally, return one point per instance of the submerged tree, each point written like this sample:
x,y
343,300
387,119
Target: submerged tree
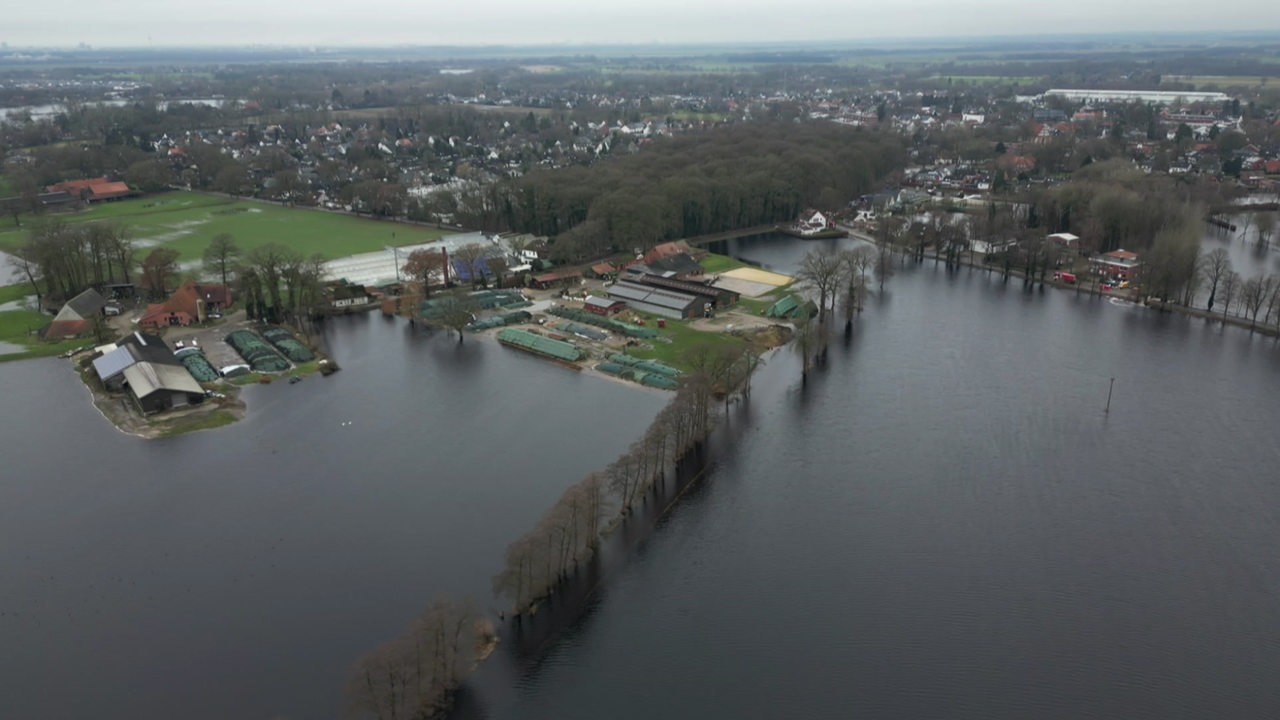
x,y
854,266
820,272
453,310
1213,268
415,675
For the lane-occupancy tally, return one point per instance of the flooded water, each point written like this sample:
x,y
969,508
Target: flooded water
x,y
40,112
944,523
9,273
240,572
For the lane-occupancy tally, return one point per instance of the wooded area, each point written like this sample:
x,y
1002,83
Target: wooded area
x,y
687,186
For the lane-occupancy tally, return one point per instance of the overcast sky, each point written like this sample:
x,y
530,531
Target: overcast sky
x,y
539,22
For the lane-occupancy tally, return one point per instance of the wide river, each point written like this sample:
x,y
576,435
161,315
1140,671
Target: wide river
x,y
238,573
946,524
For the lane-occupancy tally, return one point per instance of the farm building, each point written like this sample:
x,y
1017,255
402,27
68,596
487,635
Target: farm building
x,y
719,297
659,301
603,306
156,387
604,271
556,279
126,353
74,319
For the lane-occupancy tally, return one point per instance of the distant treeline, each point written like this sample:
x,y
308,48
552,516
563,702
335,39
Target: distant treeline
x,y
733,177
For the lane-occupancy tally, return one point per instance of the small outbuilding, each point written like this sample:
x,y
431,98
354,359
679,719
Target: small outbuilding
x,y
76,316
1065,240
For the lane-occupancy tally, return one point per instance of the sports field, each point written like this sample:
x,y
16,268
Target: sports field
x,y
187,222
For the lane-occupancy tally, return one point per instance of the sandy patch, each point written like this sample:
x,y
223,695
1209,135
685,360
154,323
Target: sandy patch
x,y
757,275
744,287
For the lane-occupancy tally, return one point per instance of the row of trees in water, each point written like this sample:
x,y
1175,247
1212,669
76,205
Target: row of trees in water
x,y
416,674
569,532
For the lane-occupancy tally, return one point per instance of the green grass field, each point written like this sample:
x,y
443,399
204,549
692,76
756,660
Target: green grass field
x,y
17,325
992,79
714,263
675,340
1200,81
187,222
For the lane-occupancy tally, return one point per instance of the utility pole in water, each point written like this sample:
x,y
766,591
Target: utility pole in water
x,y
1109,389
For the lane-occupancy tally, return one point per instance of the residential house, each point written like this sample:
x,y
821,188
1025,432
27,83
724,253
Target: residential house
x,y
190,303
76,316
811,222
1120,263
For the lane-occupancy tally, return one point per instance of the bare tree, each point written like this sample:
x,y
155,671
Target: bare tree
x,y
416,675
425,266
1230,284
1266,224
270,262
883,266
1216,264
221,255
472,258
158,267
453,310
854,266
1254,295
1273,298
820,272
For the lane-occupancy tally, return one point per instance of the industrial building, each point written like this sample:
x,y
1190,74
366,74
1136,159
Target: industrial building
x,y
1160,97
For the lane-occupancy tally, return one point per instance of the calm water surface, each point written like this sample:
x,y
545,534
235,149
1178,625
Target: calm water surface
x,y
238,573
945,524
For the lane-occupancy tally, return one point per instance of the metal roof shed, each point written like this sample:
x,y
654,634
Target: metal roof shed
x,y
664,303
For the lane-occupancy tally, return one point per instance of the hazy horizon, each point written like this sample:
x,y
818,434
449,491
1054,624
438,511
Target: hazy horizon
x,y
391,23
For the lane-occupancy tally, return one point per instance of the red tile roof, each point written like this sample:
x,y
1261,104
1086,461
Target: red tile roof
x,y
60,329
99,191
72,186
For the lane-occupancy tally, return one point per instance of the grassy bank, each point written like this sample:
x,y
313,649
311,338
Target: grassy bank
x,y
17,328
677,340
207,421
187,221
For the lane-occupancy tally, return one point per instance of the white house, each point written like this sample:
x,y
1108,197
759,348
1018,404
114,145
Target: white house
x,y
811,222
